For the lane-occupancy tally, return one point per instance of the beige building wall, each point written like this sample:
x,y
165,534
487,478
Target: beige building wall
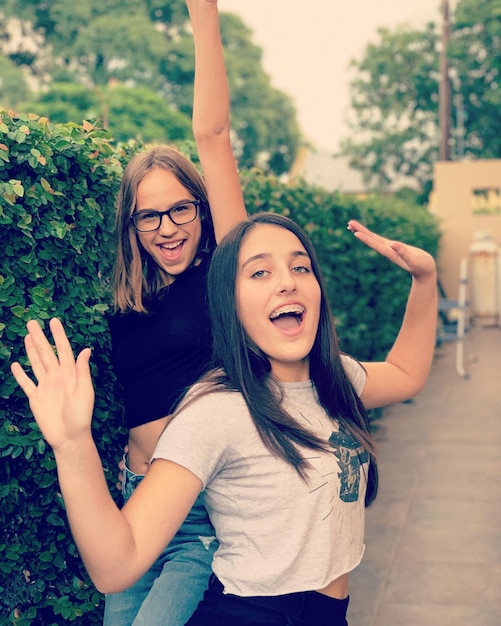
x,y
466,198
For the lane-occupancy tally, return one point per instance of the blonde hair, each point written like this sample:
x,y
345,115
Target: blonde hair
x,y
136,277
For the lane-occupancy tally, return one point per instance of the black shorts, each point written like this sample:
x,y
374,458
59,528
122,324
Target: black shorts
x,y
306,608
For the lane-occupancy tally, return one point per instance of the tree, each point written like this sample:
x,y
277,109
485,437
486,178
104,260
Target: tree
x,y
128,112
13,86
394,97
148,44
138,111
475,53
394,103
65,102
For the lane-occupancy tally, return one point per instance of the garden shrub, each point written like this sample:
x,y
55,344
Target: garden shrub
x,y
57,190
57,194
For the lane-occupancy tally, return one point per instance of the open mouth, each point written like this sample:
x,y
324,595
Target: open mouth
x,y
172,251
288,316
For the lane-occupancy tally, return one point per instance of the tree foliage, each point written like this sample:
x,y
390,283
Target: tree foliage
x,y
127,111
394,96
475,53
147,45
13,87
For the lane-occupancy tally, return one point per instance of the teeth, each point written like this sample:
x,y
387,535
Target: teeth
x,y
295,309
171,246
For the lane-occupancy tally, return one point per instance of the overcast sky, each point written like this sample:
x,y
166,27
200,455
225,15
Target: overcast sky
x,y
307,46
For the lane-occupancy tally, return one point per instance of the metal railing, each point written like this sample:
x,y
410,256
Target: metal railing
x,y
454,319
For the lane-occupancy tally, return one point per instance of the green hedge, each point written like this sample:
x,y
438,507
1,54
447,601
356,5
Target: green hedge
x,y
57,190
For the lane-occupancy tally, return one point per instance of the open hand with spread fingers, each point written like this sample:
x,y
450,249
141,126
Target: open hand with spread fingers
x,y
62,399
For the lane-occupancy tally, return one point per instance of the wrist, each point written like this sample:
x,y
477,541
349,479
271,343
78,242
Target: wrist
x,y
75,447
426,278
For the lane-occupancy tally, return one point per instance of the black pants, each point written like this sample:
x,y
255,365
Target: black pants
x,y
307,608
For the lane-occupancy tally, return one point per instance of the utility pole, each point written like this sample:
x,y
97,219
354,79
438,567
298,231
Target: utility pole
x,y
458,101
444,91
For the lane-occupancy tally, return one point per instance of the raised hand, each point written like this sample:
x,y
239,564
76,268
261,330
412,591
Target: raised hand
x,y
415,260
404,371
63,399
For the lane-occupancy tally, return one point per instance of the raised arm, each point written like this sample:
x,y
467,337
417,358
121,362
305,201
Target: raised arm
x,y
404,372
117,547
211,119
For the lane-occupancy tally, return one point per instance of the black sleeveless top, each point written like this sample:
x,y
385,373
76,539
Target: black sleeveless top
x,y
158,355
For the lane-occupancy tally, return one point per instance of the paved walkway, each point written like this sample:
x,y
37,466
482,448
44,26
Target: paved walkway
x,y
433,536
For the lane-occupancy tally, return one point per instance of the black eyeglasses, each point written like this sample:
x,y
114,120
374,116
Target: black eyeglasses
x,y
146,221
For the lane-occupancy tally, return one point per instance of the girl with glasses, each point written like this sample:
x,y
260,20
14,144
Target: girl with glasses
x,y
168,223
277,439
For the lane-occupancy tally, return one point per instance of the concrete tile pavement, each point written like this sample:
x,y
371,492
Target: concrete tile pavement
x,y
433,536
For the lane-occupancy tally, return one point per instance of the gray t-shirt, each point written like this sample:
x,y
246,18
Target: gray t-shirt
x,y
278,534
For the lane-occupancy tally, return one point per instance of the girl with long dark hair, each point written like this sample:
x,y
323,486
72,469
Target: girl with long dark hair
x,y
276,437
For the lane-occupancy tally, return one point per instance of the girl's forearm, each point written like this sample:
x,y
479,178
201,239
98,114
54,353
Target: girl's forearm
x,y
211,105
211,119
404,372
100,531
414,346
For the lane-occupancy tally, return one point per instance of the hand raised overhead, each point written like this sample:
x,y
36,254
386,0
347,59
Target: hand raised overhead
x,y
62,399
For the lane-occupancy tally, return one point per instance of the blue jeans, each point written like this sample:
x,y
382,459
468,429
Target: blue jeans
x,y
171,589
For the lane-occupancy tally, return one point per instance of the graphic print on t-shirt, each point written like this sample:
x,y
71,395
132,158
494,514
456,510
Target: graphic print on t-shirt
x,y
350,456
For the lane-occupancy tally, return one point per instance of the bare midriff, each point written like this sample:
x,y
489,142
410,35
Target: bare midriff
x,y
337,588
142,442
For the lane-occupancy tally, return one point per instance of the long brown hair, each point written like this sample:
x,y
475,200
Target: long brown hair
x,y
136,277
245,368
